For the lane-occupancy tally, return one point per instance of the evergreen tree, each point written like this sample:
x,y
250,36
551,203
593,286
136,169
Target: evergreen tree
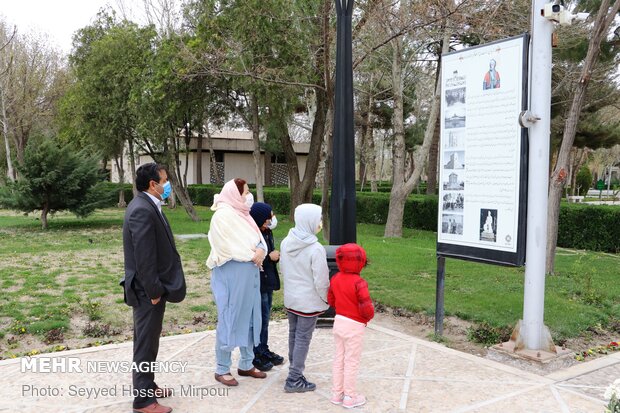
x,y
54,178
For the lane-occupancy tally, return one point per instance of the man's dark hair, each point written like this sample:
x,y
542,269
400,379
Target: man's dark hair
x,y
147,173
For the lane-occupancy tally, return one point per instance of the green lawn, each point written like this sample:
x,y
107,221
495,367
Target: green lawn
x,y
66,280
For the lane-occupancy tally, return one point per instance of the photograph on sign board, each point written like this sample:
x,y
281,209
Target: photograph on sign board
x,y
453,202
455,108
455,139
456,160
491,77
488,225
454,182
452,224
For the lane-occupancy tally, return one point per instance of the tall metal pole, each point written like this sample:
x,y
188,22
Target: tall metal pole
x,y
532,329
342,201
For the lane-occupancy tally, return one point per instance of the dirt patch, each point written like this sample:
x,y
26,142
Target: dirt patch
x,y
455,332
423,326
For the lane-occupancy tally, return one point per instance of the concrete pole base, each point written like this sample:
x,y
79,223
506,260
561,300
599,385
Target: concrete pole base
x,y
540,361
546,342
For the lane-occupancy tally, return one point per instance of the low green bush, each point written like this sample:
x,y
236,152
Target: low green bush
x,y
589,227
114,188
488,335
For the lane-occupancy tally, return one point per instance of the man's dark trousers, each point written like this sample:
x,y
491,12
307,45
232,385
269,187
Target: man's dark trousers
x,y
147,325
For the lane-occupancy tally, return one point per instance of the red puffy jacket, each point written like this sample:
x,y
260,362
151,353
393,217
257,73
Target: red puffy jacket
x,y
348,292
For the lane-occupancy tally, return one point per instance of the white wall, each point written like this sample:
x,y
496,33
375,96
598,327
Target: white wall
x,y
236,165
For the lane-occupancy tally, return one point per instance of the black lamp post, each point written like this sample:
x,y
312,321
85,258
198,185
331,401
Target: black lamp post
x,y
342,203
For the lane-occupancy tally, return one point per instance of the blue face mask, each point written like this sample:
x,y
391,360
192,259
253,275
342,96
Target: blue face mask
x,y
167,190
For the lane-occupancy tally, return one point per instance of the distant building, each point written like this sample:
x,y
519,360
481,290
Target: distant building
x,y
233,159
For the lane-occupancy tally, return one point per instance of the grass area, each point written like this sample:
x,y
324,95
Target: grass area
x,y
61,285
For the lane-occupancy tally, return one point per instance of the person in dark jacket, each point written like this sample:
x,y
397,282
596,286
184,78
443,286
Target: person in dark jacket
x,y
265,359
153,276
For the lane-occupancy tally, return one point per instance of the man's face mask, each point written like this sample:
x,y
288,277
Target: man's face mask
x,y
167,190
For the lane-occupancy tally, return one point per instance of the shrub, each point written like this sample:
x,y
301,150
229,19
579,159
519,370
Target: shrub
x,y
54,178
203,194
589,227
100,330
488,335
93,310
112,189
583,180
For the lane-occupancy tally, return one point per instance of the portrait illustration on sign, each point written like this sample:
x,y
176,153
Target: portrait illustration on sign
x,y
491,77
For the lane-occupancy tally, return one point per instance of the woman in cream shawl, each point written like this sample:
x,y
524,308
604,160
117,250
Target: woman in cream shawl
x,y
237,251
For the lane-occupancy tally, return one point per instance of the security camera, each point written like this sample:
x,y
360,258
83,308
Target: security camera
x,y
559,14
552,12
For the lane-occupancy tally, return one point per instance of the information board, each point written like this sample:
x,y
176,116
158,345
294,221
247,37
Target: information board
x,y
483,153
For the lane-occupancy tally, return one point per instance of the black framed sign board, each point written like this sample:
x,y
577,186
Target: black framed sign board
x,y
483,153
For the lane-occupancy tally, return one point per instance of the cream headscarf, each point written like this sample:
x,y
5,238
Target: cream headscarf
x,y
233,234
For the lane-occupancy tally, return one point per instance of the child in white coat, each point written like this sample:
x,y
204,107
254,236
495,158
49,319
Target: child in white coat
x,y
303,265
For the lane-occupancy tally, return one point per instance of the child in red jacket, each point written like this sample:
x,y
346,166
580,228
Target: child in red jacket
x,y
348,294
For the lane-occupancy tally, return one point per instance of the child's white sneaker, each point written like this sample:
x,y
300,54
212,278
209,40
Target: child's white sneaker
x,y
337,398
350,402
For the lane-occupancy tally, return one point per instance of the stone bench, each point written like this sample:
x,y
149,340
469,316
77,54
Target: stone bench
x,y
575,198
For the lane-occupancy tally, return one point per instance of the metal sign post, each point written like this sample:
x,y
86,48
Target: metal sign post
x,y
532,330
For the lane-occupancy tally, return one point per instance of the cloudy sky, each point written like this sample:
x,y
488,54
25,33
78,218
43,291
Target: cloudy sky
x,y
59,19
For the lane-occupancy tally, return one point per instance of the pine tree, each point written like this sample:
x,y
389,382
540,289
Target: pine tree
x,y
54,178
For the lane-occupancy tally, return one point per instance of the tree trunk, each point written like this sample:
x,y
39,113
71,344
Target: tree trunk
x,y
118,160
433,158
302,189
361,172
329,118
369,154
44,213
578,158
574,155
172,200
182,195
187,146
10,172
603,21
327,171
21,136
382,156
213,175
394,223
267,169
132,163
199,160
401,188
292,166
258,176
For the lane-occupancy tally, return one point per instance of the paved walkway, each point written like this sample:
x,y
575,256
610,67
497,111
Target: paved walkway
x,y
399,373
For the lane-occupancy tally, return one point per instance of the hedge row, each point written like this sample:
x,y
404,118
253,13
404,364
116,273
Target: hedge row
x,y
590,227
587,227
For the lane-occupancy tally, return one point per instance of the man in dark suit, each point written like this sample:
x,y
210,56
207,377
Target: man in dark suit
x,y
153,275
